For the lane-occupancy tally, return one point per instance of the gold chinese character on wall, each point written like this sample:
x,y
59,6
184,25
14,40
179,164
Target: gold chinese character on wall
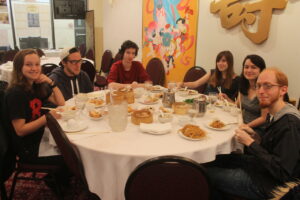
x,y
233,13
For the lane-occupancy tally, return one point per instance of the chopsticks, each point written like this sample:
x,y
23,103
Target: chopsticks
x,y
47,108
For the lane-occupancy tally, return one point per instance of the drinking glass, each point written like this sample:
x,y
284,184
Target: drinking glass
x,y
80,100
118,116
193,111
171,85
213,97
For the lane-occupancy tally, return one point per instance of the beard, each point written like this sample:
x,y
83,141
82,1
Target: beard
x,y
265,103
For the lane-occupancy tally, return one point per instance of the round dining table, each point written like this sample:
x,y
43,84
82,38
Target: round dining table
x,y
109,157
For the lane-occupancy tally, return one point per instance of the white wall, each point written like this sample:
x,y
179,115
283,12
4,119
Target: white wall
x,y
122,20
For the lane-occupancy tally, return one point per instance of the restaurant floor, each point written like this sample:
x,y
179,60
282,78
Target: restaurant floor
x,y
36,190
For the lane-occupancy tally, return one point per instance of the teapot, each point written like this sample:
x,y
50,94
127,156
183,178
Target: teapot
x,y
168,98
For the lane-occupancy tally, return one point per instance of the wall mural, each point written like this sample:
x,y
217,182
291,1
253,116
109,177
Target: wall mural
x,y
169,33
233,13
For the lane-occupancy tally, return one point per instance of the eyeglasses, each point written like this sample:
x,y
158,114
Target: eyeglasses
x,y
265,86
75,61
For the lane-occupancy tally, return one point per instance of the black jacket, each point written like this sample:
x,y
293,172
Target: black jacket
x,y
65,83
277,159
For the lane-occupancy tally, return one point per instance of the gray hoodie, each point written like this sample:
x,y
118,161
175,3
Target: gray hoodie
x,y
287,109
67,85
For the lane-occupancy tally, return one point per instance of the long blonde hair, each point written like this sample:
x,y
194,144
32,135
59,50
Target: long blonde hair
x,y
18,78
216,78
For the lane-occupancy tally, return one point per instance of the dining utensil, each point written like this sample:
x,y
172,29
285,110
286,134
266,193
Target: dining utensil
x,y
168,98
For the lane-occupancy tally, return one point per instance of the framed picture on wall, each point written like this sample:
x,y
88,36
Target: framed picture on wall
x,y
3,3
169,33
33,19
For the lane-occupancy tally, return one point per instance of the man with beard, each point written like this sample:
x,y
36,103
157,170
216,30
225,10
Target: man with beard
x,y
69,78
270,161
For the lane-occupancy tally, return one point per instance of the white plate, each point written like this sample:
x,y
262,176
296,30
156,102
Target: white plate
x,y
157,89
193,139
80,127
96,105
192,92
95,118
148,103
226,127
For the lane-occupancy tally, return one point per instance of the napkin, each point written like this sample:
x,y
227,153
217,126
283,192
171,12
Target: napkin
x,y
156,128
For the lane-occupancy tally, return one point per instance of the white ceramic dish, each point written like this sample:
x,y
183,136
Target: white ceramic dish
x,y
226,127
77,128
192,139
148,103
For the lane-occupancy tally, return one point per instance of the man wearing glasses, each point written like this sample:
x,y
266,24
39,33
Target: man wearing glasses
x,y
269,161
69,78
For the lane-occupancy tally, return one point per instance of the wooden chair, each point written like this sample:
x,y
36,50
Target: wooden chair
x,y
70,154
89,68
168,177
156,71
193,74
48,67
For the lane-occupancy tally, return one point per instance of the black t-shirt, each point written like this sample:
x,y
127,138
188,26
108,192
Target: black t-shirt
x,y
231,92
25,105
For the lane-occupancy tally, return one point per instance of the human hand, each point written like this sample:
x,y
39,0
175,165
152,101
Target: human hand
x,y
243,137
179,84
43,79
55,114
223,96
134,84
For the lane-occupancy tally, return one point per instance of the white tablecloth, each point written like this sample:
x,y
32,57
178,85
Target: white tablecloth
x,y
52,52
110,157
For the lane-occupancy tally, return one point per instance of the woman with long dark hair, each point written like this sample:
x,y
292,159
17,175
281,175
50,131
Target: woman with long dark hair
x,y
253,115
222,76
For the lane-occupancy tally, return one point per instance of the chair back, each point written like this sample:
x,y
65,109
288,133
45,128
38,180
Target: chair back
x,y
7,155
3,85
101,82
89,68
9,55
90,55
193,74
168,177
106,62
69,152
40,52
82,49
156,71
118,57
48,67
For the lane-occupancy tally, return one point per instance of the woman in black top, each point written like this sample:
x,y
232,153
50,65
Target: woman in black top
x,y
222,76
28,89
